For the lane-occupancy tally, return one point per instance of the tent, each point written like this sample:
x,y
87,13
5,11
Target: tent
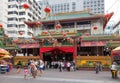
x,y
116,51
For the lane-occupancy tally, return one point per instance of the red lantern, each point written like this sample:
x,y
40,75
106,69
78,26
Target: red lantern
x,y
21,33
95,28
1,25
6,35
26,6
33,38
64,34
58,26
47,10
107,16
87,34
2,39
38,23
46,32
68,39
49,36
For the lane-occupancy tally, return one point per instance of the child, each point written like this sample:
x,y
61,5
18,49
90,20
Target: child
x,y
18,69
26,72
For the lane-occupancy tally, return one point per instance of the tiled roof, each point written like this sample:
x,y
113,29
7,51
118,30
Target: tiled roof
x,y
69,15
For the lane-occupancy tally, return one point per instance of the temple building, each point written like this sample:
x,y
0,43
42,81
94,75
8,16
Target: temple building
x,y
71,36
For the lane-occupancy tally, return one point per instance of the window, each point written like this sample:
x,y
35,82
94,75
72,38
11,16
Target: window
x,y
12,19
21,19
21,26
12,25
12,12
21,13
73,6
12,6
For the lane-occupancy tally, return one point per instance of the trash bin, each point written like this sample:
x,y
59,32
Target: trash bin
x,y
3,69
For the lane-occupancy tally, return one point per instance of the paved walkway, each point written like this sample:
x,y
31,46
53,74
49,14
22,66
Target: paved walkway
x,y
54,76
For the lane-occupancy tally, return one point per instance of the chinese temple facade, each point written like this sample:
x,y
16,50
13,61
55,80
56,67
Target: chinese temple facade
x,y
71,36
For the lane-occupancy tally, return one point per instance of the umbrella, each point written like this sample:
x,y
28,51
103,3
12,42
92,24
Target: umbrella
x,y
116,51
7,57
3,52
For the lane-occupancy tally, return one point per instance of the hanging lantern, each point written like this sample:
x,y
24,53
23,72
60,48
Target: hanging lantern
x,y
87,34
1,25
107,16
49,36
21,33
68,39
33,38
26,6
95,27
2,39
6,35
47,9
64,34
58,26
38,23
46,32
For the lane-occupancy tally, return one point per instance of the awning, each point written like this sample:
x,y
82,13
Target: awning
x,y
34,45
91,44
66,49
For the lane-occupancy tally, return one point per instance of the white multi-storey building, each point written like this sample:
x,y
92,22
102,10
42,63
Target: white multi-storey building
x,y
3,13
17,14
60,6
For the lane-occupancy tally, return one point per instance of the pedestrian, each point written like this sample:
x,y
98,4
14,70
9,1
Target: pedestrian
x,y
101,67
26,72
18,69
114,70
97,68
33,70
41,67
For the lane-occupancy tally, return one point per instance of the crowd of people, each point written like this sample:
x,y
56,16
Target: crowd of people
x,y
33,67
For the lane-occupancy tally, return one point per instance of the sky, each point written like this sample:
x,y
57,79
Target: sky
x,y
112,6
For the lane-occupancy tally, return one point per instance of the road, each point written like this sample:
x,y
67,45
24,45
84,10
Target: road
x,y
54,76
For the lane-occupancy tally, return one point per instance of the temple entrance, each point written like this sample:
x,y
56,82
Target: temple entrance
x,y
51,56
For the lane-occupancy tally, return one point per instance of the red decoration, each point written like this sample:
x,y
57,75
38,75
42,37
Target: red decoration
x,y
26,6
87,34
1,25
33,38
2,39
47,10
6,35
50,36
58,26
46,32
107,16
95,28
38,23
64,34
21,33
68,39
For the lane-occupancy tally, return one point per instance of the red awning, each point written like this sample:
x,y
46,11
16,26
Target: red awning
x,y
34,45
66,49
90,44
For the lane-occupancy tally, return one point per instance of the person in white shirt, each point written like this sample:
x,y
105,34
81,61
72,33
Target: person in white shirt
x,y
41,67
114,70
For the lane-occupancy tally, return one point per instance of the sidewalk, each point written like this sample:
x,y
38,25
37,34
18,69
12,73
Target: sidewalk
x,y
77,76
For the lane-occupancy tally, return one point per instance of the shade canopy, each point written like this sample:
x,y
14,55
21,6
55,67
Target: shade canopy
x,y
3,52
7,57
116,51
